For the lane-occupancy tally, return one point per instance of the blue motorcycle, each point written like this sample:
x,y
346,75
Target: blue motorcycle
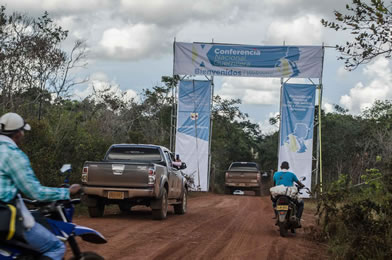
x,y
57,217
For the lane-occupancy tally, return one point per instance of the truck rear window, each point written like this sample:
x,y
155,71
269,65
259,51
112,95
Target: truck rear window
x,y
244,166
136,154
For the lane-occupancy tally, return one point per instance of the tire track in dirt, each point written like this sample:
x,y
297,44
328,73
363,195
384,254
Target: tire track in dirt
x,y
215,227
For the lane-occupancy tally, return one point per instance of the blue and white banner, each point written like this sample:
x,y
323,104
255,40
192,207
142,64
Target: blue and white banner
x,y
247,60
193,129
296,129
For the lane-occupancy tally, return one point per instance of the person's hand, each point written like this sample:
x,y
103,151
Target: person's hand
x,y
74,189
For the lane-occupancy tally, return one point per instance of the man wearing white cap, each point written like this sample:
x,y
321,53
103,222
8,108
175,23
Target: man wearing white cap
x,y
16,175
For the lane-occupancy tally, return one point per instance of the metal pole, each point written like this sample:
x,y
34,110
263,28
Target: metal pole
x,y
318,145
210,137
280,117
319,128
280,114
319,139
196,136
172,116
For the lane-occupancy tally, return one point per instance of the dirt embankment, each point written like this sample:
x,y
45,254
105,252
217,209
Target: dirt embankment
x,y
215,227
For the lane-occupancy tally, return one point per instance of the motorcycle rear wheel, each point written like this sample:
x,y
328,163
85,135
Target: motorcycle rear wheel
x,y
282,229
88,256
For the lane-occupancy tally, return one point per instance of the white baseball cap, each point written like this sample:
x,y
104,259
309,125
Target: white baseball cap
x,y
11,122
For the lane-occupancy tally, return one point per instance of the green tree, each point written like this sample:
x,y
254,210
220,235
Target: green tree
x,y
31,58
371,25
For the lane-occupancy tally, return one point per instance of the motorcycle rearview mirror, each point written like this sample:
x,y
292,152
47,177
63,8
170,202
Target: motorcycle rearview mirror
x,y
183,166
303,178
66,168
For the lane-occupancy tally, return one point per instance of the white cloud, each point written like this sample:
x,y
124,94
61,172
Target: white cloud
x,y
58,6
304,30
328,108
134,41
173,12
379,87
99,82
251,90
342,72
266,127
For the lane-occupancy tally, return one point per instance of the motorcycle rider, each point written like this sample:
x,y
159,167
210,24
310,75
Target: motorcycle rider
x,y
286,178
16,175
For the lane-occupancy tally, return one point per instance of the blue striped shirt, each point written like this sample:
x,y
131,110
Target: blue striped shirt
x,y
16,175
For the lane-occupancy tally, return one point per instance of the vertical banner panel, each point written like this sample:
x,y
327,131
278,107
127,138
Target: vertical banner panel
x,y
193,128
296,131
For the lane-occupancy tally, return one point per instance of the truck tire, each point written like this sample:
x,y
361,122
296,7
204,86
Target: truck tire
x,y
97,211
161,213
228,190
180,209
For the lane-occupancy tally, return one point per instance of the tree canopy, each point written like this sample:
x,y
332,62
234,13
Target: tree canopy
x,y
371,25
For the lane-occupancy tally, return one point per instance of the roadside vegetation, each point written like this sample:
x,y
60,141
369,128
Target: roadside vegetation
x,y
355,212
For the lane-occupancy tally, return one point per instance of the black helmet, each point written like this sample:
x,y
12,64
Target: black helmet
x,y
285,165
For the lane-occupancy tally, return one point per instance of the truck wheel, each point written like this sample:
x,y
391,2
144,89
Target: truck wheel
x,y
97,211
258,192
161,213
228,190
180,209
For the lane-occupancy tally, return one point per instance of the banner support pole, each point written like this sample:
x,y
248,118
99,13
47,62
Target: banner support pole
x,y
280,113
210,137
319,126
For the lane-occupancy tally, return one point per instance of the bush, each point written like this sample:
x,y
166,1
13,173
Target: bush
x,y
357,220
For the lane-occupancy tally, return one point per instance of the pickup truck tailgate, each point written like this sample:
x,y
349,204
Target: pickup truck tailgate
x,y
241,177
117,174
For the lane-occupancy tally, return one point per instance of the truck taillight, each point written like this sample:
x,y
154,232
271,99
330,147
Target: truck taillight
x,y
151,171
85,174
151,176
227,175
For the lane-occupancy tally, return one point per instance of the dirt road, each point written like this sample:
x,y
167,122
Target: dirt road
x,y
215,227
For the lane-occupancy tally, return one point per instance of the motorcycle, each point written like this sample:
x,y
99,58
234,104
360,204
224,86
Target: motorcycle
x,y
286,210
57,217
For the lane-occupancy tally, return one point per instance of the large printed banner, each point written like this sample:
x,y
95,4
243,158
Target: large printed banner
x,y
247,61
193,129
296,129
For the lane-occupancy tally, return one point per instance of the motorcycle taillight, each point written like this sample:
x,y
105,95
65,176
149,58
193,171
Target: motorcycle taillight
x,y
283,201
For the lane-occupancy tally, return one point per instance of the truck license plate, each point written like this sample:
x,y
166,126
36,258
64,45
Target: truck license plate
x,y
241,184
282,207
118,195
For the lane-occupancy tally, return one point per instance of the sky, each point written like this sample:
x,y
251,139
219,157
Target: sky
x,y
130,45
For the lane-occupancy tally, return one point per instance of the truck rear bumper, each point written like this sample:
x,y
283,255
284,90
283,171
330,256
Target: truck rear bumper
x,y
243,185
128,193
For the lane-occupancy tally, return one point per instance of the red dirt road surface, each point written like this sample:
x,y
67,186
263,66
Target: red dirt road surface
x,y
215,227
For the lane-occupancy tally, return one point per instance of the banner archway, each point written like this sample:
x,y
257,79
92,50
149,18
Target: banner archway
x,y
285,62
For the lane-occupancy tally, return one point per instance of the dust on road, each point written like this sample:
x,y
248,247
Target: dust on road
x,y
215,227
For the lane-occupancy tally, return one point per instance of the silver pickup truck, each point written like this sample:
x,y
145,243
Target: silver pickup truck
x,y
134,174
